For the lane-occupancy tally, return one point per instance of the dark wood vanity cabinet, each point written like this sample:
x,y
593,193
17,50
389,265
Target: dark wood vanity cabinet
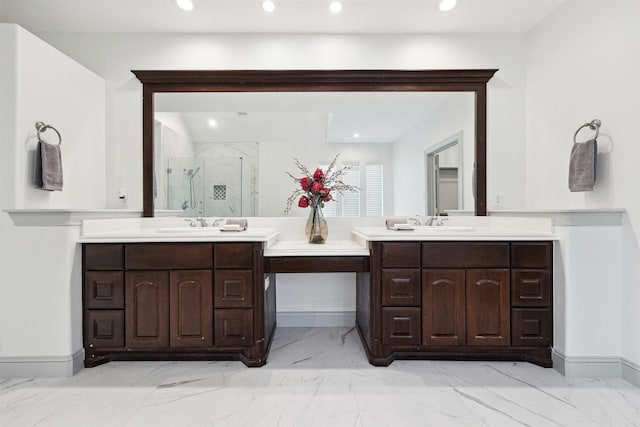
x,y
457,300
178,301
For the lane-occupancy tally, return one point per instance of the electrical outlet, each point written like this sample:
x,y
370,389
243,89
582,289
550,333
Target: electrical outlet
x,y
122,196
499,200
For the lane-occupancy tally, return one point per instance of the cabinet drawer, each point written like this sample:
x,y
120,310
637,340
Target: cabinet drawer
x,y
401,326
233,327
465,254
401,287
104,328
104,289
530,327
530,288
531,254
396,254
233,289
103,256
169,256
233,255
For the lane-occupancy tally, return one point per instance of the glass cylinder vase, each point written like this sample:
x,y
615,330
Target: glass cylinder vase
x,y
317,229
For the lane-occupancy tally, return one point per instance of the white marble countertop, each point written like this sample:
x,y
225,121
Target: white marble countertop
x,y
460,233
329,248
132,231
348,239
199,235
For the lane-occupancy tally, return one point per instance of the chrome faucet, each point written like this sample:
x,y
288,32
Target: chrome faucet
x,y
202,220
440,221
420,221
218,222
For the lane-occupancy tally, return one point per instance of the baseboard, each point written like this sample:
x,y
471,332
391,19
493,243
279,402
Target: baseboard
x,y
310,319
631,372
596,367
41,366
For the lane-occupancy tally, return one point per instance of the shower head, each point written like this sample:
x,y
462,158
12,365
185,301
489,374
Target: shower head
x,y
192,172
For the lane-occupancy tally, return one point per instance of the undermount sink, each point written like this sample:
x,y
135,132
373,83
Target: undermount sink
x,y
189,230
442,228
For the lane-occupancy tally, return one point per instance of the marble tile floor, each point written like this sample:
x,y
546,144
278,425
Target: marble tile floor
x,y
318,377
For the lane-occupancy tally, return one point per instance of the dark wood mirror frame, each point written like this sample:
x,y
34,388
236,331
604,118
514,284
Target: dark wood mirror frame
x,y
315,81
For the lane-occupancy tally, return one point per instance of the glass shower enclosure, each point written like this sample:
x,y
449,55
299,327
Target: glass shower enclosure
x,y
213,187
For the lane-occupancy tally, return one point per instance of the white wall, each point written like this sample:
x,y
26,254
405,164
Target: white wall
x,y
451,117
54,89
40,283
119,53
582,64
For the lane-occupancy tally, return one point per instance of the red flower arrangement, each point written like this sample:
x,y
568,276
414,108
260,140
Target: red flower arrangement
x,y
317,188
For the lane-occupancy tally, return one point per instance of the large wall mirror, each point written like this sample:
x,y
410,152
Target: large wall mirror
x,y
219,143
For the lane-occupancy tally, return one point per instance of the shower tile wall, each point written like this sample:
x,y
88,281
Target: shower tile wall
x,y
232,177
171,195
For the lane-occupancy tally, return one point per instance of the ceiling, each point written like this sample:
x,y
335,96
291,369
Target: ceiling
x,y
290,16
332,117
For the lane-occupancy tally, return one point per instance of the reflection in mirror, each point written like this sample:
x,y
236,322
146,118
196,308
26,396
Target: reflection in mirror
x,y
444,177
226,153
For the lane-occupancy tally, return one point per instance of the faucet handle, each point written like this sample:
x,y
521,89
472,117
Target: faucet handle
x,y
192,222
414,220
202,220
440,221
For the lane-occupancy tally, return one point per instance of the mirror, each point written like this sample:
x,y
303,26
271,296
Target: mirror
x,y
225,154
321,107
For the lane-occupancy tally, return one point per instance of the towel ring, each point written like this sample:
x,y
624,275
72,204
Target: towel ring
x,y
593,125
41,128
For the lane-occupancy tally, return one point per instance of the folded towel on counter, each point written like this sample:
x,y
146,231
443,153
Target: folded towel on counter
x,y
235,224
399,223
48,167
582,166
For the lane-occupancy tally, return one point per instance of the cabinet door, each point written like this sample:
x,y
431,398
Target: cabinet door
x,y
191,308
443,307
401,326
531,327
147,309
233,289
488,308
530,288
234,327
103,289
104,328
401,287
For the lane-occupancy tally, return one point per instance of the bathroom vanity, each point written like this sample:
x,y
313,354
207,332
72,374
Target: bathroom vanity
x,y
484,294
184,301
457,300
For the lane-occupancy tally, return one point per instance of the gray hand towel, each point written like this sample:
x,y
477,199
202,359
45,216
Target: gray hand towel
x,y
48,167
582,166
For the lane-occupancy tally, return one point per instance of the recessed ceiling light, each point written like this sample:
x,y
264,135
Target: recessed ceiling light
x,y
447,5
268,6
213,123
335,6
356,135
185,4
